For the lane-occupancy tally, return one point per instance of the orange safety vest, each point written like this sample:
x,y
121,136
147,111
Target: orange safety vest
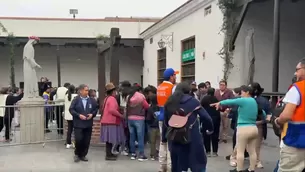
x,y
164,90
293,133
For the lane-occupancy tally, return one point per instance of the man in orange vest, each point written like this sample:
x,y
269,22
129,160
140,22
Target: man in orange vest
x,y
164,91
293,120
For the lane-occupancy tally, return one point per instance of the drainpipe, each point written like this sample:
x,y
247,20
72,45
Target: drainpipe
x,y
276,48
58,66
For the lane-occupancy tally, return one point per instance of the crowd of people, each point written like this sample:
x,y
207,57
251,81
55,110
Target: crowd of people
x,y
183,122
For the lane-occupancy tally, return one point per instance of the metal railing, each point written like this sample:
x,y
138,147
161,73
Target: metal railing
x,y
31,124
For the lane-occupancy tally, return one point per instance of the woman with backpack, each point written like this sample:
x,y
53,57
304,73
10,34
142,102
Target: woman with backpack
x,y
247,131
182,130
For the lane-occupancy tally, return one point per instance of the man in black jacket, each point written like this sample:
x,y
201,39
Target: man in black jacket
x,y
83,109
11,100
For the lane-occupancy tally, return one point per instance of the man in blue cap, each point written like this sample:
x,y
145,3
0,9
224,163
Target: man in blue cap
x,y
164,91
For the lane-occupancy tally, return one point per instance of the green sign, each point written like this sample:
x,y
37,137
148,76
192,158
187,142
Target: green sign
x,y
188,55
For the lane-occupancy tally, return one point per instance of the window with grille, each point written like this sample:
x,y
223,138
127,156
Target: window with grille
x,y
188,60
161,64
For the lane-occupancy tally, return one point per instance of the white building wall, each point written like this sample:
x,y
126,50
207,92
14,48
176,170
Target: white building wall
x,y
292,43
72,28
78,65
206,30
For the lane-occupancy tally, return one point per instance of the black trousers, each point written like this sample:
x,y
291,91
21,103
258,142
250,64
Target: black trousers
x,y
234,143
59,119
82,141
213,138
69,132
8,126
7,122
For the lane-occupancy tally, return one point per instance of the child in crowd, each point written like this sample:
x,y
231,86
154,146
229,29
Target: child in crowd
x,y
152,120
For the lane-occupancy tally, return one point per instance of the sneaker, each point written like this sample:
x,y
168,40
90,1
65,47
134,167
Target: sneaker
x,y
142,158
69,146
125,153
209,154
152,158
233,164
259,165
214,154
133,156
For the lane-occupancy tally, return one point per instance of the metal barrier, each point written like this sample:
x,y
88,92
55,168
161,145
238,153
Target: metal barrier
x,y
31,124
273,97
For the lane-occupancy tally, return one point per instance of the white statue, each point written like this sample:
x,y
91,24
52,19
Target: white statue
x,y
29,69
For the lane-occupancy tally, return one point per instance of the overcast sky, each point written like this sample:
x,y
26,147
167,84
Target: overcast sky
x,y
88,8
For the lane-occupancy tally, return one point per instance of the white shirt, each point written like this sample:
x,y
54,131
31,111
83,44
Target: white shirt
x,y
293,96
67,114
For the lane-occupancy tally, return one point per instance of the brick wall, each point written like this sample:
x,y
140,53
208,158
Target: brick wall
x,y
96,129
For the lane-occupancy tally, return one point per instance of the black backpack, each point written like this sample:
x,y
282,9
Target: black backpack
x,y
275,114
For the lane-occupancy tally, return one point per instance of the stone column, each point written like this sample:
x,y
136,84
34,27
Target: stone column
x,y
32,119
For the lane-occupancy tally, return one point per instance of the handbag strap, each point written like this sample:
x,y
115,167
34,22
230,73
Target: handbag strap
x,y
189,114
104,104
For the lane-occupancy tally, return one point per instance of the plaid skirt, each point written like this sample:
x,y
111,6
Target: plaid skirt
x,y
112,134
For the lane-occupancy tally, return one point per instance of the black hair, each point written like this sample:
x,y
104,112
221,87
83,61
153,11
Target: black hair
x,y
257,90
91,91
125,84
223,81
109,92
71,90
15,90
237,90
67,85
211,91
202,85
150,88
246,88
153,99
125,89
173,101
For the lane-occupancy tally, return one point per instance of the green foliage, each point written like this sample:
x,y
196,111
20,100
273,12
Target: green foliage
x,y
102,37
228,8
11,43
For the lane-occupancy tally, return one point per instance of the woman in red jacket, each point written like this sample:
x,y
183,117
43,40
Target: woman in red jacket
x,y
112,131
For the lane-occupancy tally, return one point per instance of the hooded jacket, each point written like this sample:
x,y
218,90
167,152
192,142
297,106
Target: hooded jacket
x,y
191,155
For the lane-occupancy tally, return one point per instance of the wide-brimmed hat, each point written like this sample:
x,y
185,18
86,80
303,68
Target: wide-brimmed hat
x,y
110,86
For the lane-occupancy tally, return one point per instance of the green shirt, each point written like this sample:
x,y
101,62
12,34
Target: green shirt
x,y
247,110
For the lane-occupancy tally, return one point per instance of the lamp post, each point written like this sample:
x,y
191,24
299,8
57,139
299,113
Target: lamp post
x,y
166,41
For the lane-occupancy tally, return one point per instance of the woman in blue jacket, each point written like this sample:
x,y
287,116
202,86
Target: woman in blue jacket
x,y
191,155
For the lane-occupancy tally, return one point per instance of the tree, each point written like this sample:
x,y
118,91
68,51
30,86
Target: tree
x,y
11,43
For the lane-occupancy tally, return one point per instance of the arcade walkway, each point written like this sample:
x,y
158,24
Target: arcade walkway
x,y
55,158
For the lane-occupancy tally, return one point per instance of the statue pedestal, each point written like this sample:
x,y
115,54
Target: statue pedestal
x,y
32,119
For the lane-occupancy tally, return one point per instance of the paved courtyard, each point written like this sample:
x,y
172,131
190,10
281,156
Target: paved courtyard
x,y
54,157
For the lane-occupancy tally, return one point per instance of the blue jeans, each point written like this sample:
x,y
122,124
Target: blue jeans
x,y
136,129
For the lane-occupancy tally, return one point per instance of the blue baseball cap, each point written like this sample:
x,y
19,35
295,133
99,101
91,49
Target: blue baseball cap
x,y
169,72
